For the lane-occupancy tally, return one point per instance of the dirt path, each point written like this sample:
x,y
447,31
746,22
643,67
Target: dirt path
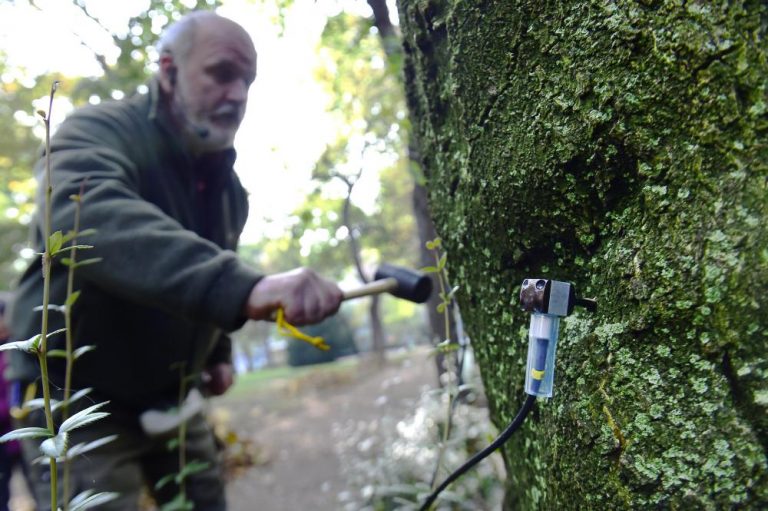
x,y
293,427
289,427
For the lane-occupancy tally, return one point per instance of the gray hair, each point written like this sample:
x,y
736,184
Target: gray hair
x,y
178,38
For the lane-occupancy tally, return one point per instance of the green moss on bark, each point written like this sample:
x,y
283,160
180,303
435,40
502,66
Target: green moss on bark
x,y
621,146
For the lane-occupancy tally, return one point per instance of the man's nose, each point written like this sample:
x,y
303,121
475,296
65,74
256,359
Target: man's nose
x,y
237,91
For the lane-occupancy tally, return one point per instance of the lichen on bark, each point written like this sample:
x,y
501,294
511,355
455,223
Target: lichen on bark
x,y
621,146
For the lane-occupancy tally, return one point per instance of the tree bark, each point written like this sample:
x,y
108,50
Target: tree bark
x,y
620,146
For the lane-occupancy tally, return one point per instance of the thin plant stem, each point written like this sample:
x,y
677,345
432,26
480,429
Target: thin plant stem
x,y
69,341
182,432
47,260
452,396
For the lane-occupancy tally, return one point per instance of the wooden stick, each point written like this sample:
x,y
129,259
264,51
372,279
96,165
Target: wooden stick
x,y
372,288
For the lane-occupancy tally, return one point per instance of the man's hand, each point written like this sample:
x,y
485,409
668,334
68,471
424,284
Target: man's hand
x,y
218,378
304,296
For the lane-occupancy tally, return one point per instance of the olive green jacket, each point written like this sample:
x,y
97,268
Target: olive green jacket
x,y
168,283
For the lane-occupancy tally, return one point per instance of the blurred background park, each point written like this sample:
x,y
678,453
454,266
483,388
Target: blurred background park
x,y
324,154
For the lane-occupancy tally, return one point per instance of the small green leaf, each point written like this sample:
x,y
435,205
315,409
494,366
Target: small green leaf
x,y
68,237
51,307
452,292
164,481
87,262
447,346
179,503
83,417
69,248
56,446
191,468
55,405
28,346
79,394
440,307
57,353
71,299
18,434
54,242
435,243
86,232
430,269
82,448
82,350
39,402
88,499
172,444
441,262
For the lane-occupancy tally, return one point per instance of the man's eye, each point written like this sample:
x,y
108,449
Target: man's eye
x,y
223,74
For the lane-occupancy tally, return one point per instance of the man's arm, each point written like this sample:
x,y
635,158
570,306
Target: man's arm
x,y
147,255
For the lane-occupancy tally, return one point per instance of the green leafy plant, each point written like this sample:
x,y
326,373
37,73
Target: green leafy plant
x,y
446,347
186,467
55,444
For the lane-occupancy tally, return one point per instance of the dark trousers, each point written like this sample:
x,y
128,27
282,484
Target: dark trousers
x,y
6,469
128,463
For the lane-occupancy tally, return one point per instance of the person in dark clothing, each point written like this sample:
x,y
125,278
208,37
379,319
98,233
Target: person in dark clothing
x,y
167,209
9,451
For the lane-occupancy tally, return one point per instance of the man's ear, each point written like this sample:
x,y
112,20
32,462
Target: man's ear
x,y
167,73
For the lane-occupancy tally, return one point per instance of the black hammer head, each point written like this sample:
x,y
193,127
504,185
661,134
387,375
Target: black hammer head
x,y
411,285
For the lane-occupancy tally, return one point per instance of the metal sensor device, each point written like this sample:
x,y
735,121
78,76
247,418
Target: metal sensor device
x,y
547,301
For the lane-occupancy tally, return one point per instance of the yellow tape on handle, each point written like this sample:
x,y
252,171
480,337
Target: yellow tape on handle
x,y
289,330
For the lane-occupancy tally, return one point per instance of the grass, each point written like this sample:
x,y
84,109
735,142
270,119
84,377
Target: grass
x,y
265,380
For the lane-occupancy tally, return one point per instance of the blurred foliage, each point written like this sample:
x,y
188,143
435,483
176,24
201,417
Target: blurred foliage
x,y
137,48
21,135
366,90
367,95
387,462
365,87
337,334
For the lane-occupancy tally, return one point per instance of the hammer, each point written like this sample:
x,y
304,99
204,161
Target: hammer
x,y
398,281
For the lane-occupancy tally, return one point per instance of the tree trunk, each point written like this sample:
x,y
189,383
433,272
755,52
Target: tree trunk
x,y
620,146
390,40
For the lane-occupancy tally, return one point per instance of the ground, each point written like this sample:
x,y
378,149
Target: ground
x,y
285,425
294,427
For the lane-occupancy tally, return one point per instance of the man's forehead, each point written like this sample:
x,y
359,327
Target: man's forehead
x,y
223,39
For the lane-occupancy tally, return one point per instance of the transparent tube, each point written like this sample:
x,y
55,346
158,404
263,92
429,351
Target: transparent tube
x,y
542,345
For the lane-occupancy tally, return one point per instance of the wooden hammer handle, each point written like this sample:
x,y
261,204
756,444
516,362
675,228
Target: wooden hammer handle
x,y
372,288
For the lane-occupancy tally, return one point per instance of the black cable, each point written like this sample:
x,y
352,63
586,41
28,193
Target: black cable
x,y
477,458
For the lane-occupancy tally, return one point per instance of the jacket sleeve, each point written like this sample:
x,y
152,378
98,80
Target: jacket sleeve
x,y
222,351
147,256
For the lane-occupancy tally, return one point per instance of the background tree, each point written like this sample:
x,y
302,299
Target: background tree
x,y
367,98
21,134
621,146
18,149
390,38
